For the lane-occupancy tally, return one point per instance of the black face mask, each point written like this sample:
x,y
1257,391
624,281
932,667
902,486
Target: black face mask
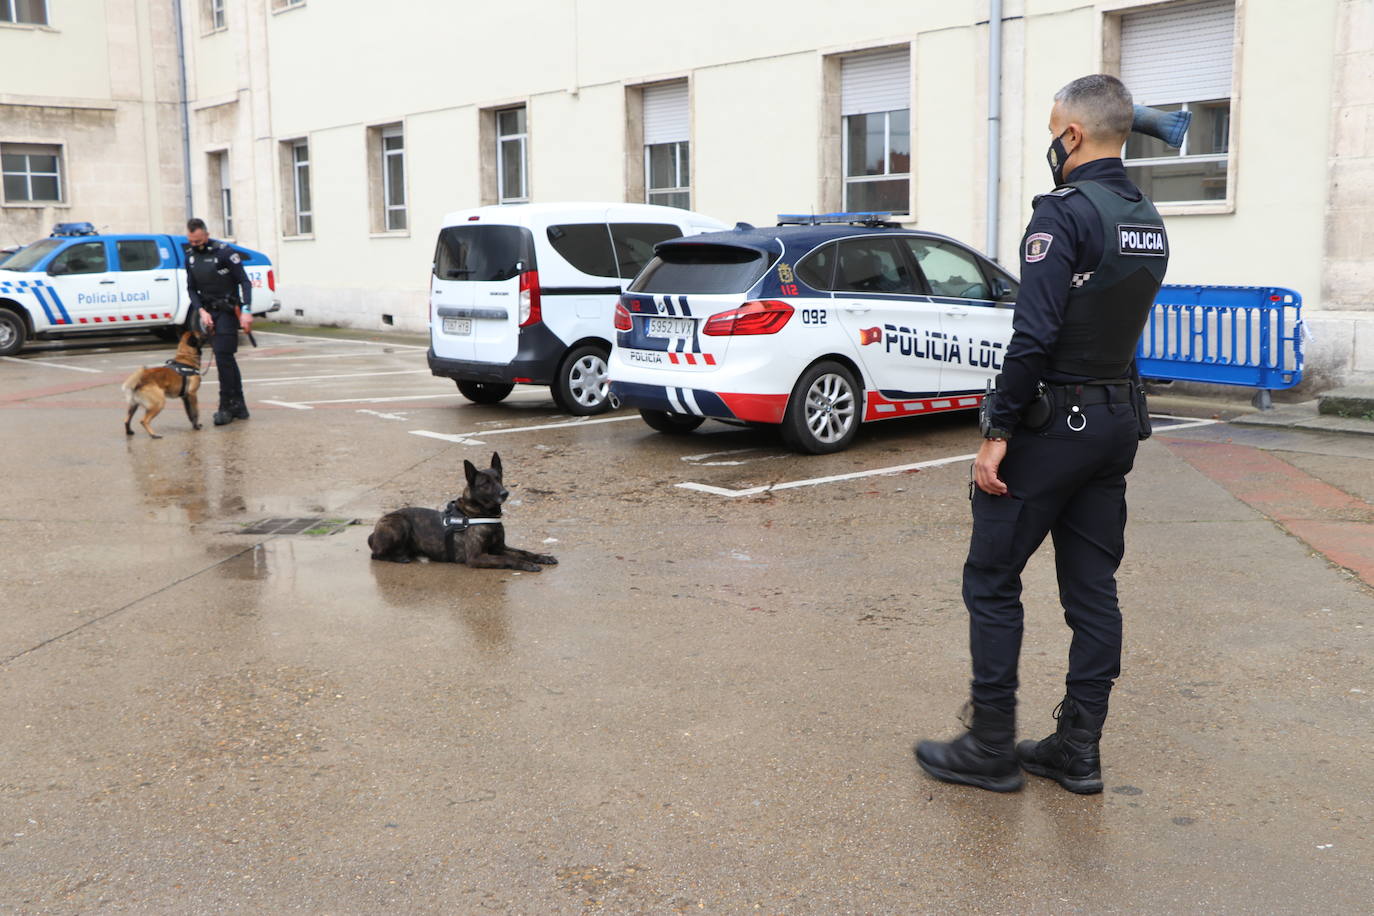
x,y
1056,155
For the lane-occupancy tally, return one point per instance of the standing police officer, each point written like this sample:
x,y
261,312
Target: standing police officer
x,y
221,292
1060,434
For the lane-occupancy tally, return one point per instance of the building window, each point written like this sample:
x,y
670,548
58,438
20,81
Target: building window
x,y
393,179
667,160
32,12
300,182
512,185
212,14
32,173
875,102
286,4
218,180
1175,58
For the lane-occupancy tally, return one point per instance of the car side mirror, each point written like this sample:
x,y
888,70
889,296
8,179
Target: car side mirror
x,y
56,270
1001,290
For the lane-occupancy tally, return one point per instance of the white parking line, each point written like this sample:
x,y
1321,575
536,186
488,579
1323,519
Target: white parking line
x,y
312,378
816,481
700,460
286,404
39,362
1184,422
299,338
468,438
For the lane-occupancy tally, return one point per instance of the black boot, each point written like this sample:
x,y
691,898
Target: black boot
x,y
225,414
1069,756
239,409
983,756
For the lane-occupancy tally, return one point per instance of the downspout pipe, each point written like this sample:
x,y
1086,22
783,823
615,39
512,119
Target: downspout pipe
x,y
185,109
994,166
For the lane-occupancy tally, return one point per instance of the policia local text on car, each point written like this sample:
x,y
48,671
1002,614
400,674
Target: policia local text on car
x,y
222,295
1060,434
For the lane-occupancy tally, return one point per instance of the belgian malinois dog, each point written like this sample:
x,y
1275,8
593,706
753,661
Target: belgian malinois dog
x,y
468,531
150,388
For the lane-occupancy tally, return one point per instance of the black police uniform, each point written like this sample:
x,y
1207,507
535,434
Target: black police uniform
x,y
217,282
1092,260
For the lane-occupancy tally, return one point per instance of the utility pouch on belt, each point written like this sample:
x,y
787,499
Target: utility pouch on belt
x,y
1039,412
1142,409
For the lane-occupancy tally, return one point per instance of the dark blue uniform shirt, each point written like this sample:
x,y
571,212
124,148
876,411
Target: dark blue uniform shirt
x,y
1074,248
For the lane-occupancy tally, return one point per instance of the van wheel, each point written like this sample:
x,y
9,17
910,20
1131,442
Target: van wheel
x,y
484,392
674,424
11,332
823,411
581,386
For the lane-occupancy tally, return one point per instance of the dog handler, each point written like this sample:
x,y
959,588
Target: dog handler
x,y
220,290
1060,434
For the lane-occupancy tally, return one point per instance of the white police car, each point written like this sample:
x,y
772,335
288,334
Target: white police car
x,y
816,327
78,282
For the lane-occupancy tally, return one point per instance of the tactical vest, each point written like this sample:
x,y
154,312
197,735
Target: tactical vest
x,y
1106,314
214,280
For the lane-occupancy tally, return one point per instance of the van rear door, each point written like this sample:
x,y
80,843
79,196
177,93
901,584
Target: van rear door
x,y
476,291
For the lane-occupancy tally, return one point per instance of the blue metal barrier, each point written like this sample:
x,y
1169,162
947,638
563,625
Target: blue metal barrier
x,y
1226,335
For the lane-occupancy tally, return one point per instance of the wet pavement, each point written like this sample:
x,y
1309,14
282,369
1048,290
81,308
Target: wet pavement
x,y
708,706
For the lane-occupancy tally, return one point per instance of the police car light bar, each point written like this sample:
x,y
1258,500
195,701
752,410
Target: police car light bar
x,y
856,218
62,230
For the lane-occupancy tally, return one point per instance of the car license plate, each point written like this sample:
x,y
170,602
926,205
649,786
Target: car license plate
x,y
670,327
458,326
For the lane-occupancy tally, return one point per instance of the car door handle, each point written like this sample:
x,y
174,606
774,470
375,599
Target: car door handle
x,y
161,279
106,282
856,309
957,312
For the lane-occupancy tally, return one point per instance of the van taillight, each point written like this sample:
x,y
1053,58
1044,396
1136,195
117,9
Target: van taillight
x,y
271,280
764,316
622,318
529,299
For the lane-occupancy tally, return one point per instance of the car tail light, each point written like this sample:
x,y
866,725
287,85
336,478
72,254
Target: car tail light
x,y
623,321
763,316
530,312
272,280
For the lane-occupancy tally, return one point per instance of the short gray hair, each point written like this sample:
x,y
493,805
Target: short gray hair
x,y
1102,103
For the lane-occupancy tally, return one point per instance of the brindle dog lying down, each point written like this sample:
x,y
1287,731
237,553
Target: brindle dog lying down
x,y
468,531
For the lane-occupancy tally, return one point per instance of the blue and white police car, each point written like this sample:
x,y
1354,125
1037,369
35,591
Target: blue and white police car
x,y
816,325
78,282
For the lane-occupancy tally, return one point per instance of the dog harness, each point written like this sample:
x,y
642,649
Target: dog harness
x,y
455,520
184,371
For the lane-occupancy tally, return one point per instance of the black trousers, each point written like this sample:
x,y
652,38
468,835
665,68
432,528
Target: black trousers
x,y
225,343
1071,486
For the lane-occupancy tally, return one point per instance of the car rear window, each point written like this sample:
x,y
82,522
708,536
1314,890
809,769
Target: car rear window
x,y
702,269
483,254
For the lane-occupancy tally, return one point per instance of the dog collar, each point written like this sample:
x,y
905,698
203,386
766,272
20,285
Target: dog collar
x,y
454,518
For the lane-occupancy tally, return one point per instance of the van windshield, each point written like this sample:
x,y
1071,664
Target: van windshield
x,y
702,269
32,254
483,254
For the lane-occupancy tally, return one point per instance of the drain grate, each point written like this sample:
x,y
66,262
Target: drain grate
x,y
314,525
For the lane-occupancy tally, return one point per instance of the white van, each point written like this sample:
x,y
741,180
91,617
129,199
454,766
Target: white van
x,y
526,294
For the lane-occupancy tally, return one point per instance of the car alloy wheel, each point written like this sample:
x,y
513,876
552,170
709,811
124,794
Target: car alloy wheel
x,y
823,411
830,407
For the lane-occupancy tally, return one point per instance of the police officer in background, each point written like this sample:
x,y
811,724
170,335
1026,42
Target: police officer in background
x,y
1060,434
222,295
